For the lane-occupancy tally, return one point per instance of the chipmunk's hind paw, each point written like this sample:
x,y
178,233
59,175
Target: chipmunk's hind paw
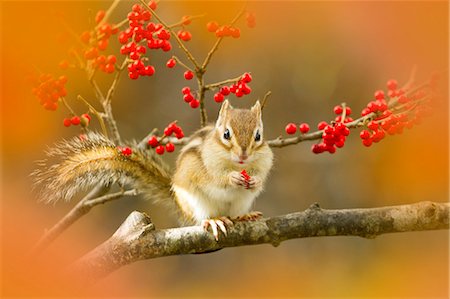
x,y
251,216
216,224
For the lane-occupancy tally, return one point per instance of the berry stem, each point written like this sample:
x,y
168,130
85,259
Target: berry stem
x,y
108,13
224,82
63,99
96,113
181,22
182,63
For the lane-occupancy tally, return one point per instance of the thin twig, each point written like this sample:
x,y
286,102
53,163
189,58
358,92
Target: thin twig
x,y
181,22
264,100
108,13
221,83
182,63
63,99
96,113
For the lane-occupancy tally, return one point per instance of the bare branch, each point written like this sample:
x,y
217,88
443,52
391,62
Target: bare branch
x,y
137,239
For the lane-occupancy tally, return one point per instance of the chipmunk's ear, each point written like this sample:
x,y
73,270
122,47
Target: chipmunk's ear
x,y
256,109
223,113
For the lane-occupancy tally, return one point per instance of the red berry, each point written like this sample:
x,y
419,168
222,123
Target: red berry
x,y
159,149
67,122
304,128
245,175
153,141
111,59
194,103
171,63
291,128
64,64
225,90
170,147
372,125
184,35
99,16
188,98
246,77
186,90
364,134
348,111
186,20
322,125
212,26
152,4
109,68
126,151
219,97
235,32
379,95
86,116
179,135
367,142
316,148
392,84
188,75
85,37
75,120
338,110
136,8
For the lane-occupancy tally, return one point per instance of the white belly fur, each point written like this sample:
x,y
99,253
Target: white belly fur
x,y
211,201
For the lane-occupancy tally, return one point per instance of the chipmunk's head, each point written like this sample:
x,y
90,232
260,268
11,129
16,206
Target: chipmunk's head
x,y
240,131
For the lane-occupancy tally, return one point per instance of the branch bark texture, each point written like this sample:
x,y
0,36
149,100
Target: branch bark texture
x,y
137,239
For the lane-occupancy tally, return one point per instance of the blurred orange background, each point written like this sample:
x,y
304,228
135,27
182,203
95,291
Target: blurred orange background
x,y
312,56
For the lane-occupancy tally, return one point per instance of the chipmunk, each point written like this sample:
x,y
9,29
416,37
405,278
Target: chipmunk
x,y
207,186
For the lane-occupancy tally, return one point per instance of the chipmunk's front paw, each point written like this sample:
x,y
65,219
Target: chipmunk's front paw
x,y
253,183
251,216
238,179
221,222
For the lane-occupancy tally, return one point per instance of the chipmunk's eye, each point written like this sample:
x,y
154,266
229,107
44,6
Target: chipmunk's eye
x,y
226,134
257,136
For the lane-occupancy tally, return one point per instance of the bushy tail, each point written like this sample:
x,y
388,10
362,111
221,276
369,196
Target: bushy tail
x,y
85,163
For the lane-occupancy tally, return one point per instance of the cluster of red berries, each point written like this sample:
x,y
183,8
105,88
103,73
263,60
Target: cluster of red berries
x,y
385,121
224,30
333,137
105,63
239,88
84,120
171,129
49,90
98,39
141,30
188,97
126,151
335,134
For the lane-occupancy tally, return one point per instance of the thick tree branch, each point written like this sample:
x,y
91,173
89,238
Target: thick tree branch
x,y
137,239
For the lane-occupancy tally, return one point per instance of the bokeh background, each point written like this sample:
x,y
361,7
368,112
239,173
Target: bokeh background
x,y
312,56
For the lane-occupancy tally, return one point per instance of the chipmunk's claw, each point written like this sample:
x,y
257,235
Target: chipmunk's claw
x,y
217,223
251,216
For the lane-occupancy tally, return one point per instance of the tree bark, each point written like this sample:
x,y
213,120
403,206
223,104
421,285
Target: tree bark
x,y
136,239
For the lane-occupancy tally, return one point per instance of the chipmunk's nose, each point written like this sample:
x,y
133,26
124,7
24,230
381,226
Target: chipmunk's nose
x,y
243,156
